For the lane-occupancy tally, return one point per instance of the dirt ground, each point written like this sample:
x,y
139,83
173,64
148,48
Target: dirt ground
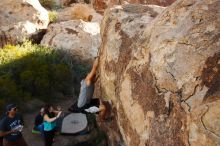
x,y
60,140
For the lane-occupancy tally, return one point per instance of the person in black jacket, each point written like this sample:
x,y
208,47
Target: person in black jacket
x,y
38,122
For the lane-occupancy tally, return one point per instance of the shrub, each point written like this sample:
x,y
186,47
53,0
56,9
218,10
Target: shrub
x,y
53,16
30,71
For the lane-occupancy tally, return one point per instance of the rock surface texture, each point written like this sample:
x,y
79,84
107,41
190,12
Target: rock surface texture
x,y
19,19
101,5
162,74
79,39
79,11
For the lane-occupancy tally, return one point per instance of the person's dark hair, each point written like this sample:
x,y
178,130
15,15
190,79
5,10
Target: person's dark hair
x,y
9,107
47,112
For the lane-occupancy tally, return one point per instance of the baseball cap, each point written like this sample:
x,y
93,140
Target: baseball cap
x,y
10,106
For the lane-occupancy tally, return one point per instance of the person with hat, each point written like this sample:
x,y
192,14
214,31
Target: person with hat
x,y
11,127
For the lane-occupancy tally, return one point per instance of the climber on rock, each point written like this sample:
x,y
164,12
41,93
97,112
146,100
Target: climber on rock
x,y
101,109
86,92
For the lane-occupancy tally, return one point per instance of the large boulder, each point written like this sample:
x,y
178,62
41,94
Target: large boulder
x,y
163,75
101,5
79,11
121,28
76,38
19,19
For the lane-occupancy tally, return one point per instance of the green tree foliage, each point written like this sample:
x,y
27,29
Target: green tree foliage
x,y
30,71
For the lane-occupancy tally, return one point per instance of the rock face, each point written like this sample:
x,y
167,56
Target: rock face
x,y
79,39
163,75
79,11
101,5
65,2
121,28
19,19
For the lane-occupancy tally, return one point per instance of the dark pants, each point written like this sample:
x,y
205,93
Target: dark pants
x,y
74,108
19,142
48,137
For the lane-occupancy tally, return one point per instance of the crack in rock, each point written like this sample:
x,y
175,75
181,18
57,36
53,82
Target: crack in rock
x,y
171,75
201,119
194,92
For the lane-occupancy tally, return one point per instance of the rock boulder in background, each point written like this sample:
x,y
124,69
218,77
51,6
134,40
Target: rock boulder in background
x,y
19,19
101,5
78,39
79,11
